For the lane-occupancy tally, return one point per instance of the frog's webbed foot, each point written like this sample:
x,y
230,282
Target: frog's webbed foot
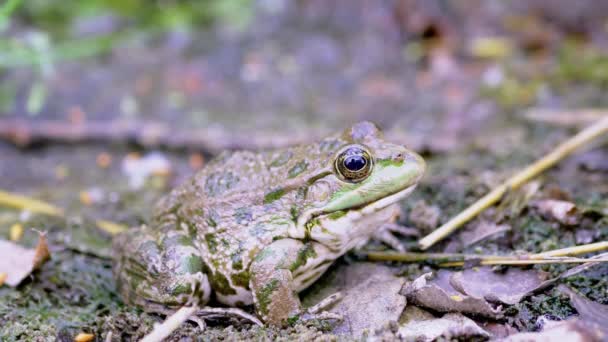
x,y
386,235
208,312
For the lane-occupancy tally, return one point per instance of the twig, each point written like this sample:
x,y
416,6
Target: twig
x,y
528,262
434,257
576,250
148,134
161,331
559,153
577,117
459,257
22,202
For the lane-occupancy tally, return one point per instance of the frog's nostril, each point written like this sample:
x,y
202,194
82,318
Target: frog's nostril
x,y
399,157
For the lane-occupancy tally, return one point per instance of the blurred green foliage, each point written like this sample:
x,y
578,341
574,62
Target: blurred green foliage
x,y
58,17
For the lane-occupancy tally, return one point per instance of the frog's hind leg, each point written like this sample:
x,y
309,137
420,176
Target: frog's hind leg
x,y
159,270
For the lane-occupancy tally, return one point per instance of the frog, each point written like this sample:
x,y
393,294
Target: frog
x,y
257,228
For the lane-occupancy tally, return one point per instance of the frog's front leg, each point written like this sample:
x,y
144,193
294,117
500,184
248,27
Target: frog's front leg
x,y
275,293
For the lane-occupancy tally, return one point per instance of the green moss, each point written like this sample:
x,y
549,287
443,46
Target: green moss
x,y
264,295
274,195
293,320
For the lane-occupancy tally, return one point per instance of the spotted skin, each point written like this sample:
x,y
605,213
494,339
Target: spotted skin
x,y
257,228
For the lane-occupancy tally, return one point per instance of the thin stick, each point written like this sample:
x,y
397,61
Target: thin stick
x,y
576,250
459,257
578,117
527,262
22,202
161,331
435,257
148,134
559,153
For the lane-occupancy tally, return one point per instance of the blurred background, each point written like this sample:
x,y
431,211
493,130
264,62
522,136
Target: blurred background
x,y
475,82
106,105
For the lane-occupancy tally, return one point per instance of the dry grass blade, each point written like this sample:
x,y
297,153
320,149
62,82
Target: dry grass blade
x,y
110,227
25,203
40,207
559,153
523,262
456,259
579,117
576,250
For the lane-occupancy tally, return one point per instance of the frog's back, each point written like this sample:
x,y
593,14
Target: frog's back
x,y
238,204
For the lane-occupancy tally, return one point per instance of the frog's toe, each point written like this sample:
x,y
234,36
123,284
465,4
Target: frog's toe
x,y
240,314
321,319
325,303
386,235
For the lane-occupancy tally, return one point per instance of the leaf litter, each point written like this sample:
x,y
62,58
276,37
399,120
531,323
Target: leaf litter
x,y
17,262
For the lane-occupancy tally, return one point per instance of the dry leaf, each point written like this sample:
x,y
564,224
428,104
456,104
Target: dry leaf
x,y
588,310
563,212
481,231
420,325
18,262
371,299
438,294
574,330
509,287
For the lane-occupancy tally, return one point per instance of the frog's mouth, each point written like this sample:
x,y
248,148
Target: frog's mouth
x,y
388,200
365,209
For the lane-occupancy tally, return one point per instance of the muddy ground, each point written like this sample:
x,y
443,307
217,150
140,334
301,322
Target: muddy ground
x,y
453,80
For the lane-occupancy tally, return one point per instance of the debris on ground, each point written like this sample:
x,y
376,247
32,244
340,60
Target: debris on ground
x,y
17,262
419,325
563,212
479,290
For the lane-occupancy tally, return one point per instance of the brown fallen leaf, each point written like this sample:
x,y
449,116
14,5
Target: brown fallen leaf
x,y
481,231
563,212
478,291
438,294
588,310
371,299
18,262
574,329
419,325
509,287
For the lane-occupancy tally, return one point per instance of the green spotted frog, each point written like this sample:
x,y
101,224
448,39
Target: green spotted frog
x,y
257,228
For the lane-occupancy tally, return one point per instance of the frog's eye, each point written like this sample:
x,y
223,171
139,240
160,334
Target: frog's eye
x,y
354,164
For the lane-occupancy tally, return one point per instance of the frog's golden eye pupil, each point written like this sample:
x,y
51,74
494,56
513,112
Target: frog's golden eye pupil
x,y
354,164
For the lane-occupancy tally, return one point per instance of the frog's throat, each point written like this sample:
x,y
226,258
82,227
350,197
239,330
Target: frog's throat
x,y
309,214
